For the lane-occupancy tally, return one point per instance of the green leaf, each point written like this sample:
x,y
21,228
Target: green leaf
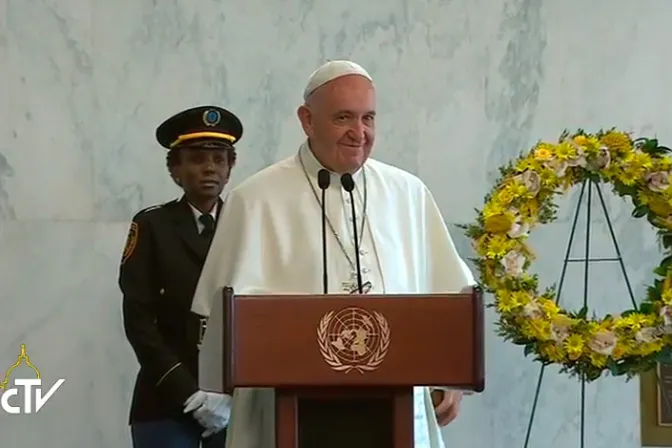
x,y
667,261
650,144
614,368
529,348
660,271
646,307
582,312
640,210
628,312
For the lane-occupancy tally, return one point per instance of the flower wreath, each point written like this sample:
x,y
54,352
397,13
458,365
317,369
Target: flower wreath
x,y
522,198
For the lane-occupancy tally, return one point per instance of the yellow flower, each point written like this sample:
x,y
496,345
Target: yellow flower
x,y
619,351
581,140
598,360
530,209
498,246
488,274
500,223
508,194
574,345
549,307
522,298
528,163
549,179
644,196
663,164
507,302
590,144
616,141
543,152
537,329
640,161
565,151
633,321
493,208
563,320
659,206
667,297
629,177
612,171
648,348
552,352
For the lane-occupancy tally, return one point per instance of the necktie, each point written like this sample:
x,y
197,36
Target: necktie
x,y
208,225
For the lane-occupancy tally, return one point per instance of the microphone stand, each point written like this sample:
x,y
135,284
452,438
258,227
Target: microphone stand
x,y
323,181
348,184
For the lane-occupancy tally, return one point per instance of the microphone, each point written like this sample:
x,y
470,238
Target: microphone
x,y
348,184
323,181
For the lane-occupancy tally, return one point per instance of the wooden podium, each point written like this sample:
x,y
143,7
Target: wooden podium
x,y
344,366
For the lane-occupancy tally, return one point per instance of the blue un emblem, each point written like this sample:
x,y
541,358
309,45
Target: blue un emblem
x,y
211,117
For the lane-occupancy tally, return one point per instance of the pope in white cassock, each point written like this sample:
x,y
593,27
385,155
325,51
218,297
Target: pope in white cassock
x,y
269,240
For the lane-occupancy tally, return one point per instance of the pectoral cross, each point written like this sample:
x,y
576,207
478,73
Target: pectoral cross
x,y
353,287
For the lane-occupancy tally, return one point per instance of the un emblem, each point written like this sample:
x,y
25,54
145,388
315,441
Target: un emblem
x,y
353,339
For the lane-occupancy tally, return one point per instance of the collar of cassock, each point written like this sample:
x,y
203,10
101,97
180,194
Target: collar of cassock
x,y
313,166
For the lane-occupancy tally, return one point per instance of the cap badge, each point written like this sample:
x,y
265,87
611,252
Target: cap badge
x,y
211,117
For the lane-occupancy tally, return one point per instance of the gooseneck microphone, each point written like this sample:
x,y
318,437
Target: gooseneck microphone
x,y
323,181
348,184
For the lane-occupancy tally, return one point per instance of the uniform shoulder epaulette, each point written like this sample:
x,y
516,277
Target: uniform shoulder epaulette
x,y
152,208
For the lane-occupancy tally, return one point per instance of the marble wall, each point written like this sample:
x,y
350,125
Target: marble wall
x,y
464,85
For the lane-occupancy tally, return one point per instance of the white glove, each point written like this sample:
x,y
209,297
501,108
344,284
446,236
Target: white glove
x,y
211,410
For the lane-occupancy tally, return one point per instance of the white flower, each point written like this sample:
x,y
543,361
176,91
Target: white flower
x,y
560,331
580,159
602,160
513,263
531,180
533,310
603,342
666,313
658,181
518,229
647,334
559,167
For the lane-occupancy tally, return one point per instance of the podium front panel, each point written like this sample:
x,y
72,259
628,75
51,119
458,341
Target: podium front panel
x,y
316,341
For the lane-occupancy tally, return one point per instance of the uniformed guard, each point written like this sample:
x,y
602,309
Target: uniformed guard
x,y
160,267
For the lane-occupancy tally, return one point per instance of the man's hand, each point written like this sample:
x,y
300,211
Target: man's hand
x,y
446,405
211,410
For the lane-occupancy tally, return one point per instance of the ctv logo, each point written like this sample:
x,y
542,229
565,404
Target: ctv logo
x,y
33,397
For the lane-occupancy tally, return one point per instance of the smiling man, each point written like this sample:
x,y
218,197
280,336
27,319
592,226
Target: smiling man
x,y
270,239
165,250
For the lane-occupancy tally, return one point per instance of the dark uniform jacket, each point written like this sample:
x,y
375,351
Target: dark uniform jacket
x,y
160,268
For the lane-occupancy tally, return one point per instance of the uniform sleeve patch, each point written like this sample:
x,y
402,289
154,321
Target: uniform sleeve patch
x,y
131,242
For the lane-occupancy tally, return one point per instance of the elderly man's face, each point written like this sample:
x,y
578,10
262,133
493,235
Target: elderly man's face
x,y
339,120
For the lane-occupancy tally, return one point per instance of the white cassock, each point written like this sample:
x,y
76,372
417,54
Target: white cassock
x,y
269,241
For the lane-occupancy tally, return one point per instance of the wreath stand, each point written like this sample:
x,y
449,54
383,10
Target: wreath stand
x,y
588,185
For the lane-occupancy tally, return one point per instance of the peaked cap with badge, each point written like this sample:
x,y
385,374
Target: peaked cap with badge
x,y
205,126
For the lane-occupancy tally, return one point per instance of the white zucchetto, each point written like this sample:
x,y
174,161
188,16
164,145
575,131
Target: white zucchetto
x,y
330,71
